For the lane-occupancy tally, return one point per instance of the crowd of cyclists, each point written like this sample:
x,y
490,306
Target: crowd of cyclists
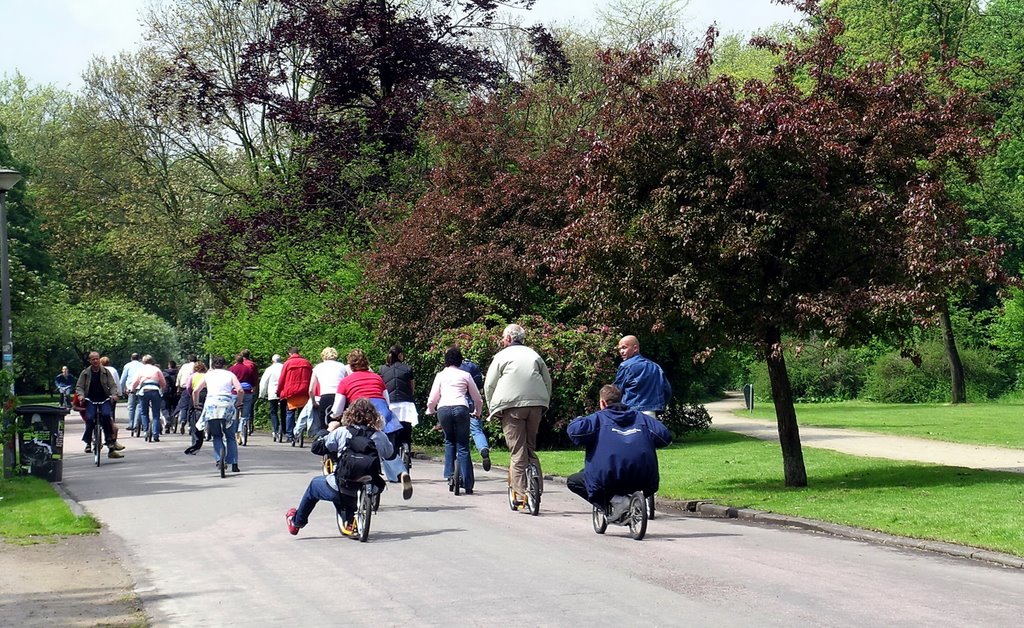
x,y
216,402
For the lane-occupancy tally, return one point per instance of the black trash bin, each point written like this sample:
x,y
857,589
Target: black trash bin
x,y
41,441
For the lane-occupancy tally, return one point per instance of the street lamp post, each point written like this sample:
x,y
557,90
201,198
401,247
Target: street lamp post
x,y
8,178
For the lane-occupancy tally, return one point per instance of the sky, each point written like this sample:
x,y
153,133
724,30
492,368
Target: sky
x,y
52,41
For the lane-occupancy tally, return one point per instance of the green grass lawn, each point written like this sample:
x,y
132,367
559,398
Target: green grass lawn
x,y
30,508
963,506
1000,424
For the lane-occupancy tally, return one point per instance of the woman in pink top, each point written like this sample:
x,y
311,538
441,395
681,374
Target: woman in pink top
x,y
448,399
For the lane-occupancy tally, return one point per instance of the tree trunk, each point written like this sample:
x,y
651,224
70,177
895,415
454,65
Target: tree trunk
x,y
956,367
785,413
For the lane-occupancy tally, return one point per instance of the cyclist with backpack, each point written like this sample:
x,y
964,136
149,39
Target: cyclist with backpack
x,y
360,443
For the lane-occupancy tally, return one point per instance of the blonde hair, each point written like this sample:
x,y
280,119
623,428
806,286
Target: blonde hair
x,y
329,353
362,412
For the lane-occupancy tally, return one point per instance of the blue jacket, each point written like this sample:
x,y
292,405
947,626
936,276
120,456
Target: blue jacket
x,y
643,384
474,371
620,456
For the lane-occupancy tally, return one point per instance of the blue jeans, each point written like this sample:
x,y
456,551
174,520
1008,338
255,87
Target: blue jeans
x,y
216,429
476,430
106,411
149,410
454,422
317,491
247,406
133,409
275,415
289,419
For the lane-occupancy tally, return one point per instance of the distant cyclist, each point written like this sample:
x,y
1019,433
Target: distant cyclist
x,y
65,383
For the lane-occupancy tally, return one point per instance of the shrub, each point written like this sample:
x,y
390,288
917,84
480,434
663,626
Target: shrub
x,y
683,419
818,372
896,379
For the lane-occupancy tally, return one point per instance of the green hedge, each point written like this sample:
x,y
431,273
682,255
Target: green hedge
x,y
818,373
896,379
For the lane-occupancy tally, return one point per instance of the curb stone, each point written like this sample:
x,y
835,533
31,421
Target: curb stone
x,y
712,510
718,511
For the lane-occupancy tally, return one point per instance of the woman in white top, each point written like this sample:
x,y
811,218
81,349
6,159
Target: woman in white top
x,y
448,399
224,395
323,385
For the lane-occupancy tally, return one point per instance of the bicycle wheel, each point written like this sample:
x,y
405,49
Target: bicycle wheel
x,y
637,516
600,521
533,489
97,441
302,438
512,503
650,507
364,512
456,479
341,523
245,435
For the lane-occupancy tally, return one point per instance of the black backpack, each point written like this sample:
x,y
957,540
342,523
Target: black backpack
x,y
357,459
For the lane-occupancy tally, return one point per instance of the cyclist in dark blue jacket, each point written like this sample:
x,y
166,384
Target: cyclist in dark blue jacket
x,y
620,457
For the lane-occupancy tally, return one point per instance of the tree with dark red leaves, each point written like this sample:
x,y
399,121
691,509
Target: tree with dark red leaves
x,y
810,205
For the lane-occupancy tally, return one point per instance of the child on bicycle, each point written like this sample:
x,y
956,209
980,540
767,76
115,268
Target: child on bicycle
x,y
321,487
620,457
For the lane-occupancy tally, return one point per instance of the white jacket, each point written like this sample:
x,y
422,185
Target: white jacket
x,y
517,378
268,383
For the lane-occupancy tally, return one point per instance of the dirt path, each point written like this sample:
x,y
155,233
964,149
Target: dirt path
x,y
71,582
724,417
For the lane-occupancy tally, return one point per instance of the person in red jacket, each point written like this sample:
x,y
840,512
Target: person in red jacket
x,y
293,386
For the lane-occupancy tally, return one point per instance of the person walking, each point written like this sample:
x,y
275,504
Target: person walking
x,y
400,385
224,397
447,398
476,425
268,391
128,374
323,385
518,391
193,409
170,399
181,383
148,387
642,382
245,370
293,387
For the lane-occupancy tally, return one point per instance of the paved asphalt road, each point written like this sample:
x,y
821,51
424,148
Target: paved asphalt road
x,y
207,551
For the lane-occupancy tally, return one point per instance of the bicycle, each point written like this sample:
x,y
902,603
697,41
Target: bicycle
x,y
634,516
533,490
367,502
97,429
